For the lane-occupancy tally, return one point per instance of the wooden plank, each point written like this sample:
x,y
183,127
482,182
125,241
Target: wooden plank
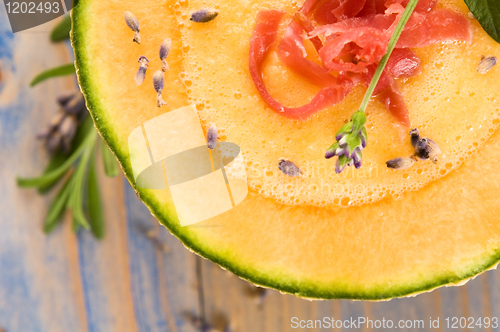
x,y
227,298
160,292
224,295
144,273
494,289
479,304
178,278
62,285
350,309
274,307
104,266
40,286
454,301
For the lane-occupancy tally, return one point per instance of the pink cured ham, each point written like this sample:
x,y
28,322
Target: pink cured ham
x,y
351,37
263,38
439,25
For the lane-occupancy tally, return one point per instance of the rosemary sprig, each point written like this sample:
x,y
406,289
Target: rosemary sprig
x,y
57,208
94,204
59,157
61,30
109,161
73,158
352,138
52,177
75,202
81,189
63,70
80,192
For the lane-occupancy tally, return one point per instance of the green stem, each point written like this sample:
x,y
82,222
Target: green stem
x,y
392,44
77,185
55,174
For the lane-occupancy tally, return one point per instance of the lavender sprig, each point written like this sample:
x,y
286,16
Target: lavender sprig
x,y
352,138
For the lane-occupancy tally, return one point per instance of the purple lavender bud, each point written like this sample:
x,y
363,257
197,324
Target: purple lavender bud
x,y
68,127
133,24
356,155
414,137
339,167
400,163
53,141
131,21
165,47
427,149
330,153
421,149
212,135
340,136
363,141
158,81
358,164
363,137
289,168
343,141
346,151
204,15
55,122
434,151
66,97
140,75
76,105
342,162
486,64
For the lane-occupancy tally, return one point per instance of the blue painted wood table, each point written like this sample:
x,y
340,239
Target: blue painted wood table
x,y
72,282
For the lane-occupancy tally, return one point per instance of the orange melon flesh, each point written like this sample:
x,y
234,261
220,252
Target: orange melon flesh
x,y
442,101
443,230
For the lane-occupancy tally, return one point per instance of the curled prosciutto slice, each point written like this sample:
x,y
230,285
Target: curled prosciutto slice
x,y
438,26
351,37
263,38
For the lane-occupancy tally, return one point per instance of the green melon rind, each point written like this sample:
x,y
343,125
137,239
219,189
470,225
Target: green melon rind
x,y
166,215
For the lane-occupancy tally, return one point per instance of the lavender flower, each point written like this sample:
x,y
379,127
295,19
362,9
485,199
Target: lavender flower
x,y
141,73
204,15
427,149
414,137
212,135
351,140
133,24
289,168
400,163
158,82
165,47
486,64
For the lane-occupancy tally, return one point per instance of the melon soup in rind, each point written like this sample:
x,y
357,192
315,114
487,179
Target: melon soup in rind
x,y
398,233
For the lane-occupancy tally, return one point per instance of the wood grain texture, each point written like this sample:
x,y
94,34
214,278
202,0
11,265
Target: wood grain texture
x,y
105,265
40,286
129,281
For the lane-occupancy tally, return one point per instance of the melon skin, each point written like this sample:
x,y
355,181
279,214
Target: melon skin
x,y
365,252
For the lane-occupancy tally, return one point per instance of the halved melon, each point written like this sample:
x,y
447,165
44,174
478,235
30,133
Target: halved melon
x,y
368,234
